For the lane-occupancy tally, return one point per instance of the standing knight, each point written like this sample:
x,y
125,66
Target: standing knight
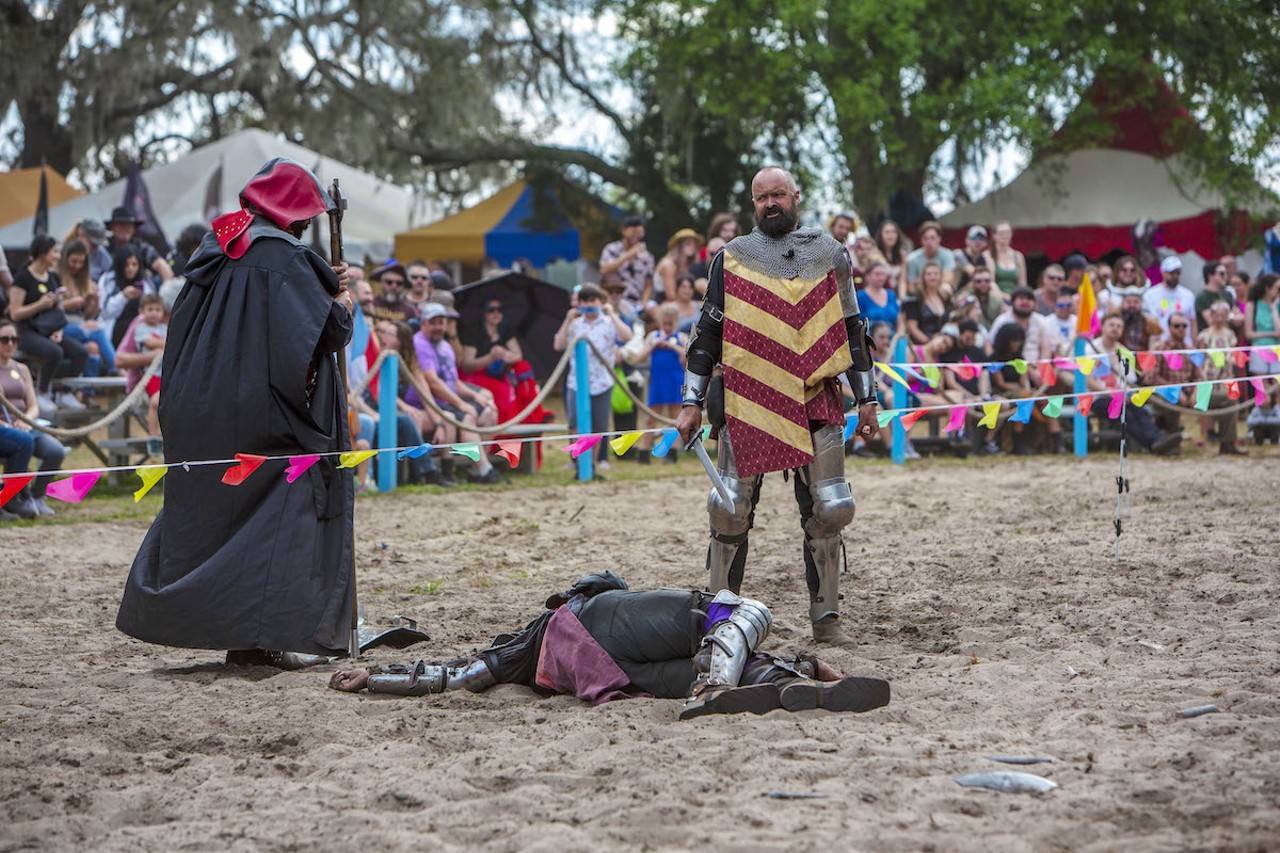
x,y
781,318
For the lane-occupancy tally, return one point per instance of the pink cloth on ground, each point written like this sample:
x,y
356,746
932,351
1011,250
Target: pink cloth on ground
x,y
572,662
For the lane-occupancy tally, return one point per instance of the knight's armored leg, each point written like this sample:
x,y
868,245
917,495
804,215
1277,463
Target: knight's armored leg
x,y
465,674
727,551
826,508
723,654
799,690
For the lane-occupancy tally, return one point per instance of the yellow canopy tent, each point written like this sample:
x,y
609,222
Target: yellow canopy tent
x,y
460,237
20,192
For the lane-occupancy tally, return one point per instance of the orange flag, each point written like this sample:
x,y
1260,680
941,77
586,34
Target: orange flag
x,y
1088,308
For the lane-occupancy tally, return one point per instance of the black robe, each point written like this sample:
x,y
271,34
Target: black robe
x,y
266,564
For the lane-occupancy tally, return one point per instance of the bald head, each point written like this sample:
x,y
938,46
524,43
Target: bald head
x,y
776,201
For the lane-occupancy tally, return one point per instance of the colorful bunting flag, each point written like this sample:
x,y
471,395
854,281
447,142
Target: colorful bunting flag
x,y
1088,307
1267,354
510,451
669,436
150,475
1084,403
909,418
1197,358
1146,361
1053,407
248,463
1020,366
1141,396
1259,393
73,489
1085,364
850,426
1048,375
956,421
1241,357
582,445
1023,415
1233,390
1174,360
1102,367
299,464
1218,357
1203,392
623,443
1172,393
352,458
13,484
471,450
991,412
933,375
884,418
1115,405
415,452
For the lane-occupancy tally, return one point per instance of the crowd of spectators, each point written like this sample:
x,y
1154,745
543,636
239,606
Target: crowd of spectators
x,y
91,304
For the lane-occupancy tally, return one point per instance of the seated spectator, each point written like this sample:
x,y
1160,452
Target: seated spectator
x,y
1048,286
36,306
1129,274
1010,383
16,447
149,335
971,388
82,307
390,302
20,392
931,252
123,226
1169,297
875,301
414,425
990,300
1141,425
927,312
724,227
1261,322
1040,334
468,405
419,278
967,308
1007,264
595,320
492,359
841,225
1074,265
1139,327
1240,299
93,234
1176,339
864,252
1065,321
972,257
121,290
1218,335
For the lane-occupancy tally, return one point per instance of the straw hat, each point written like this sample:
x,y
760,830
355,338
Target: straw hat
x,y
682,234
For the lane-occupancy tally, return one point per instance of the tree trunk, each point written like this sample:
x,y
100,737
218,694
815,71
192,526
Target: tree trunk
x,y
43,139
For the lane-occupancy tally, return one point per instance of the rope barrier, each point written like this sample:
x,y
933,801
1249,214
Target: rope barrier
x,y
122,409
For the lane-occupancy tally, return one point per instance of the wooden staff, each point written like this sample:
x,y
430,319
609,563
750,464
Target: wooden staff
x,y
335,258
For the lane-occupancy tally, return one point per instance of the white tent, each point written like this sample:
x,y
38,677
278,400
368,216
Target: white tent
x,y
377,209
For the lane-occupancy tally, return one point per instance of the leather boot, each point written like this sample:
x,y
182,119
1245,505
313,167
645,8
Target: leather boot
x,y
827,631
854,694
719,699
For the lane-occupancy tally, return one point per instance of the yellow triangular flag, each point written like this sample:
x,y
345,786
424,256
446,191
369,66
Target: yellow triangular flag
x,y
1086,364
352,458
991,412
891,373
1141,396
149,475
622,443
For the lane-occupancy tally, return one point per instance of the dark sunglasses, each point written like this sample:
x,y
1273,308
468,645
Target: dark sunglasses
x,y
393,282
493,309
418,276
1177,325
8,339
1056,278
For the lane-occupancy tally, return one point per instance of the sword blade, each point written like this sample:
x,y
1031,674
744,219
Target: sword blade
x,y
716,480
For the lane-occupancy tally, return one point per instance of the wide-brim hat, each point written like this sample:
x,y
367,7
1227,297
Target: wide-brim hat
x,y
122,216
684,234
390,266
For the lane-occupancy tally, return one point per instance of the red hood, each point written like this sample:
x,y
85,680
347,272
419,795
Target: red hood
x,y
284,192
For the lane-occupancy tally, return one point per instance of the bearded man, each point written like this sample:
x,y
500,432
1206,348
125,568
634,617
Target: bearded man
x,y
781,318
255,565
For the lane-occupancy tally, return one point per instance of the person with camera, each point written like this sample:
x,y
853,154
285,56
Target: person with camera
x,y
592,318
36,306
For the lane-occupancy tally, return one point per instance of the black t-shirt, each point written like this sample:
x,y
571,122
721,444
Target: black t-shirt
x,y
49,320
929,321
145,251
479,338
956,355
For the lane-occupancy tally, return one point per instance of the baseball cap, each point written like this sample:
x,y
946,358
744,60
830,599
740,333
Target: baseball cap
x,y
94,230
977,232
434,309
1075,261
1173,263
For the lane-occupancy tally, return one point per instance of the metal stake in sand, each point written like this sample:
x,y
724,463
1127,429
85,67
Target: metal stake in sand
x,y
1122,479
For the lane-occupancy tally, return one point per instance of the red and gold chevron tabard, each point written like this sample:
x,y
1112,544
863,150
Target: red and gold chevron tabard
x,y
784,345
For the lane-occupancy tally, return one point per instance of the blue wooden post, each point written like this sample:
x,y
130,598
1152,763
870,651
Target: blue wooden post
x,y
388,388
1080,423
899,447
581,372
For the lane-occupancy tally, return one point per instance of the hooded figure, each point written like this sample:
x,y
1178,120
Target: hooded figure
x,y
250,367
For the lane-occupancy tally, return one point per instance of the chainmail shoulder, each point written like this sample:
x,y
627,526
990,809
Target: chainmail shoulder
x,y
808,253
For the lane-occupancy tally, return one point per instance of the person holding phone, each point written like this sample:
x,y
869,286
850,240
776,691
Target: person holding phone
x,y
594,319
37,309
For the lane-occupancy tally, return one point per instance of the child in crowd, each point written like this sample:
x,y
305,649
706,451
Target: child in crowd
x,y
149,335
664,347
594,319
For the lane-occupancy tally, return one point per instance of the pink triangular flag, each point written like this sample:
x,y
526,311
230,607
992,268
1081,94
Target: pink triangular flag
x,y
510,451
1115,406
964,370
911,417
956,421
74,488
1174,360
1259,393
1241,357
298,465
14,484
582,445
249,463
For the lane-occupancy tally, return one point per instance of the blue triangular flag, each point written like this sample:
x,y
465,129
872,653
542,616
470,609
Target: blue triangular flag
x,y
1023,415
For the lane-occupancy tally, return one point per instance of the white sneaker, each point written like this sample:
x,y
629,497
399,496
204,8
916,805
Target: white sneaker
x,y
48,408
602,465
67,400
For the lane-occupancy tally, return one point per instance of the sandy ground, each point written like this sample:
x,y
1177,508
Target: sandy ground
x,y
973,587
